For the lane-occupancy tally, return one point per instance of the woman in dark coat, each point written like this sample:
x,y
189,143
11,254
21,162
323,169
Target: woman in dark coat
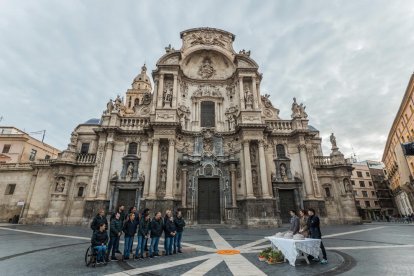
x,y
315,231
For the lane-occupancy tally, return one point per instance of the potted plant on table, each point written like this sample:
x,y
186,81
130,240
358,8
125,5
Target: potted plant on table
x,y
275,257
264,253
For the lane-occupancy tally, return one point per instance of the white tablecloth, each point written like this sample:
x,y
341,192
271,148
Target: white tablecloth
x,y
291,249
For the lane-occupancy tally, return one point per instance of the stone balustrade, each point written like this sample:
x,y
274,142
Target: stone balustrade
x,y
86,158
15,165
134,123
322,160
280,125
44,161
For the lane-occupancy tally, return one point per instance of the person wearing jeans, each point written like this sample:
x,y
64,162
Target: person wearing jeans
x,y
179,224
170,232
156,228
99,240
130,227
115,234
143,235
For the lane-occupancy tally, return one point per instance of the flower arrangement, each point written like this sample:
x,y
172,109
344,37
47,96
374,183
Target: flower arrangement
x,y
264,254
275,257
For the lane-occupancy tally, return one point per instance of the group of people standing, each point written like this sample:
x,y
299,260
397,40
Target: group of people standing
x,y
308,225
137,224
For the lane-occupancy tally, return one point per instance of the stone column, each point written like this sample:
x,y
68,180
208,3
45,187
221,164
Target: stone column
x,y
306,171
155,96
148,172
248,169
103,185
242,104
174,97
256,98
170,170
233,185
263,171
184,186
154,169
160,91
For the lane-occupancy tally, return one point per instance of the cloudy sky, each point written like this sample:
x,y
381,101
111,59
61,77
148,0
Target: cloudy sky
x,y
349,62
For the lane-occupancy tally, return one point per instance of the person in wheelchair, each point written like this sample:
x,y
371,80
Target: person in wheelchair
x,y
99,241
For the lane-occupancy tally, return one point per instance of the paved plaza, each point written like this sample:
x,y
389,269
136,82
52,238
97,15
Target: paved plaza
x,y
369,249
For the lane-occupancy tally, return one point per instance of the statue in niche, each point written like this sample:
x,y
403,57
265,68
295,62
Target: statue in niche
x,y
130,171
253,155
182,121
248,97
232,122
109,106
283,171
332,138
255,182
115,176
231,146
168,91
164,156
347,186
163,180
60,185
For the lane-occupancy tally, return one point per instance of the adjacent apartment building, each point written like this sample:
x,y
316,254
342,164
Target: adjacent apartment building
x,y
399,167
366,199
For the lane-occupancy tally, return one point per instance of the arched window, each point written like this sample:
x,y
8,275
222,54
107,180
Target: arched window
x,y
132,148
136,102
280,151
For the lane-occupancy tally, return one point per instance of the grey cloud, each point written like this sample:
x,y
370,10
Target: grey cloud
x,y
348,61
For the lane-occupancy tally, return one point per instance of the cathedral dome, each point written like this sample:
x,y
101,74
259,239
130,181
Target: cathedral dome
x,y
142,81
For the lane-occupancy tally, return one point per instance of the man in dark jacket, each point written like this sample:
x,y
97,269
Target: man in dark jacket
x,y
294,222
99,240
179,224
115,232
156,228
315,232
170,232
130,227
143,235
100,218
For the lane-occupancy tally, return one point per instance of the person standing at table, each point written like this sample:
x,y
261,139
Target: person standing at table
x,y
294,222
303,223
315,232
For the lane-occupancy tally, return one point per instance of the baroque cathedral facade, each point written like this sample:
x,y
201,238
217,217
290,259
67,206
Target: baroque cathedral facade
x,y
201,138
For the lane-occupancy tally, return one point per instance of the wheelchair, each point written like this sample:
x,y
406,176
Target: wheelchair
x,y
91,257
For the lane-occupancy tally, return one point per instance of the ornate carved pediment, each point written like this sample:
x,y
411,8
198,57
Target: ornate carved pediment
x,y
207,91
207,37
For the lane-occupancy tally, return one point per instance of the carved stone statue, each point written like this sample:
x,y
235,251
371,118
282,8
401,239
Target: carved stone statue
x,y
168,91
109,107
141,177
118,103
182,121
164,156
266,101
60,185
347,186
186,147
206,70
249,97
332,138
115,176
232,122
295,109
163,175
303,114
73,138
253,155
283,171
273,176
130,171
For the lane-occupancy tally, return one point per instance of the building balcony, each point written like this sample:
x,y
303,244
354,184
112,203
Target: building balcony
x,y
280,125
134,123
86,158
